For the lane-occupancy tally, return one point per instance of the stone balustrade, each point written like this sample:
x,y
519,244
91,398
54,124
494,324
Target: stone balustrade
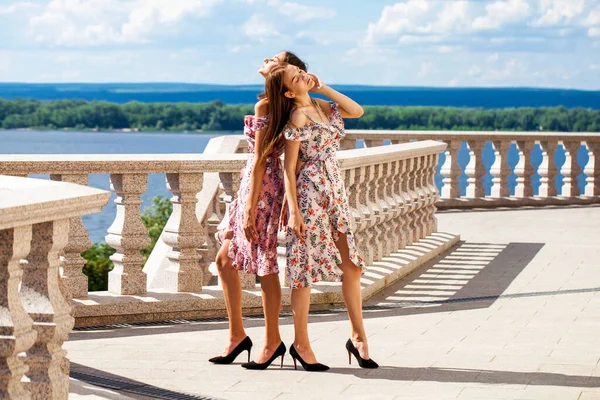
x,y
392,196
467,181
35,319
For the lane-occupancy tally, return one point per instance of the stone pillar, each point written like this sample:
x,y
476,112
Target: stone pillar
x,y
184,234
376,229
42,299
500,170
74,281
15,324
391,242
570,169
128,235
524,169
475,169
548,169
451,170
362,185
231,184
420,212
411,225
592,170
431,220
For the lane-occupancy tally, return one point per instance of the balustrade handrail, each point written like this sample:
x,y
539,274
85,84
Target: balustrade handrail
x,y
119,163
32,201
362,157
383,134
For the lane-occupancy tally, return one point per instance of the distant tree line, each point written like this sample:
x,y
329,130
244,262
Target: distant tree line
x,y
218,116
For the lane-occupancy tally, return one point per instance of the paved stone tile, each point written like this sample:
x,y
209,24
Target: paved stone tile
x,y
532,342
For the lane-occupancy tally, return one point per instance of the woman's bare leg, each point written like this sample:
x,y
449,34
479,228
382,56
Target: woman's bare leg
x,y
300,307
353,296
271,298
232,291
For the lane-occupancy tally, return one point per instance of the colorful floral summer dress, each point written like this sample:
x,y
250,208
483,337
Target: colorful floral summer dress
x,y
260,256
323,204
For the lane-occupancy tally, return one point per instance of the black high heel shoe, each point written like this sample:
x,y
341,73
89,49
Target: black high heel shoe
x,y
364,363
280,351
245,345
317,367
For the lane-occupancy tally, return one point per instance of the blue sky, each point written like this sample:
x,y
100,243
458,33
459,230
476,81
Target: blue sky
x,y
534,43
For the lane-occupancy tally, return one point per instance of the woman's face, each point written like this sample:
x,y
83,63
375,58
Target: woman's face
x,y
297,81
269,63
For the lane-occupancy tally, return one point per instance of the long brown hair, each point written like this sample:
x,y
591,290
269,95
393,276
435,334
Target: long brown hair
x,y
280,110
293,59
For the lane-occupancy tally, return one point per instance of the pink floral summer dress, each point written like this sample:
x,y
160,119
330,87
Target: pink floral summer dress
x,y
260,256
323,204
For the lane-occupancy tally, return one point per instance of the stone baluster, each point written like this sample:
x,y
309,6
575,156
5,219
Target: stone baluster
x,y
15,324
406,202
73,280
571,170
398,141
184,233
592,170
421,199
373,142
548,169
391,242
364,211
431,220
451,170
348,144
212,221
500,170
128,235
475,169
414,200
376,230
231,185
369,202
41,296
524,169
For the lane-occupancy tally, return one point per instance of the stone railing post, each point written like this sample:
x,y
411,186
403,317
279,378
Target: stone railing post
x,y
391,207
524,169
592,170
451,170
431,220
373,143
231,184
48,367
548,169
128,235
363,214
184,234
348,144
422,195
413,165
15,324
376,230
406,202
74,281
570,169
475,169
500,170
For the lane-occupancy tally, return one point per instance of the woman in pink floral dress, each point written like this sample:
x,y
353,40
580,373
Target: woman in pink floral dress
x,y
249,239
320,244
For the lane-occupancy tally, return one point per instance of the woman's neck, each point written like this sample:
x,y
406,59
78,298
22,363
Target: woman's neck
x,y
302,100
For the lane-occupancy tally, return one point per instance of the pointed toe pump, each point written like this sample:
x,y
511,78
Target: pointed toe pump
x,y
245,345
279,352
363,362
316,367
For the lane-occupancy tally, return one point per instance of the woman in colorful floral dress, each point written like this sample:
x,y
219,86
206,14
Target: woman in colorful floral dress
x,y
249,240
320,244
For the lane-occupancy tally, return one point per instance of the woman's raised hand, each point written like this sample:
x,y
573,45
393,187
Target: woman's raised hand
x,y
319,85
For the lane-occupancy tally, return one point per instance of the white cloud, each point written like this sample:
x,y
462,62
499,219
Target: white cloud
x,y
96,22
594,32
301,12
502,13
257,28
399,18
557,12
16,7
427,68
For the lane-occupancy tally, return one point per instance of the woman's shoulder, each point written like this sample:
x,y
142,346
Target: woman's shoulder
x,y
297,127
261,108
